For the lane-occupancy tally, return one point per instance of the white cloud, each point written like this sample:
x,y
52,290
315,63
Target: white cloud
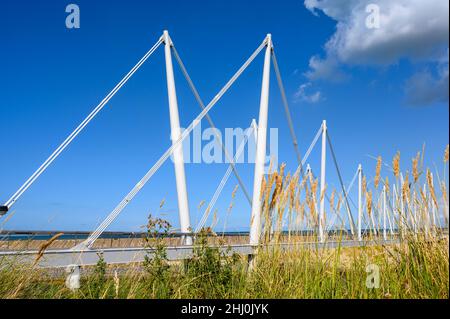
x,y
416,30
337,10
425,88
302,94
324,69
408,29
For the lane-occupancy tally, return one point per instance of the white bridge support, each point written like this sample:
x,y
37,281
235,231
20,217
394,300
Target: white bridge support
x,y
359,201
183,204
255,222
323,160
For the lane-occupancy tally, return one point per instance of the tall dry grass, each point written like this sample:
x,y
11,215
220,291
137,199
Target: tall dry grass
x,y
415,266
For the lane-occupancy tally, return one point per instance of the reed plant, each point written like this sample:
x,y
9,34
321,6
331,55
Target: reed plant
x,y
414,265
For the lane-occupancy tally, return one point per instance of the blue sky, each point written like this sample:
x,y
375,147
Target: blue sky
x,y
378,96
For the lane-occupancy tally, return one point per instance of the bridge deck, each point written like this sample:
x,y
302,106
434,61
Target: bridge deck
x,y
63,257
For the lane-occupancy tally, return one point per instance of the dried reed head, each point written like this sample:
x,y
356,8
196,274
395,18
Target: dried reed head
x,y
277,191
311,203
282,168
314,185
415,167
200,205
445,199
431,187
44,247
369,202
263,187
323,192
214,220
292,188
396,164
446,154
303,182
386,184
297,204
406,191
364,184
233,195
339,202
378,172
332,196
424,198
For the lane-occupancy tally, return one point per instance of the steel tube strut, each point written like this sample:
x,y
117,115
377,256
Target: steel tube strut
x,y
322,182
255,222
359,201
183,203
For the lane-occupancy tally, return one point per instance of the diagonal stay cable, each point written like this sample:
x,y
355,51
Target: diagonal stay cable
x,y
349,188
211,123
119,208
313,143
352,223
286,109
79,128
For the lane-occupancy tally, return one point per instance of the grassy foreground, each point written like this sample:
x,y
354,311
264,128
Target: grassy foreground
x,y
415,269
413,207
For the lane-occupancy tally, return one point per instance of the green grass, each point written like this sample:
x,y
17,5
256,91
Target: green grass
x,y
414,269
418,267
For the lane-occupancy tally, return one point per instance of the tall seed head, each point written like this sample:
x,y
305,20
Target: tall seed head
x,y
364,184
277,191
406,192
415,167
333,194
378,172
431,187
201,204
396,164
263,187
369,202
338,208
314,187
446,154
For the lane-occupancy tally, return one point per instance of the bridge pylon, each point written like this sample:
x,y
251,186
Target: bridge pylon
x,y
178,159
